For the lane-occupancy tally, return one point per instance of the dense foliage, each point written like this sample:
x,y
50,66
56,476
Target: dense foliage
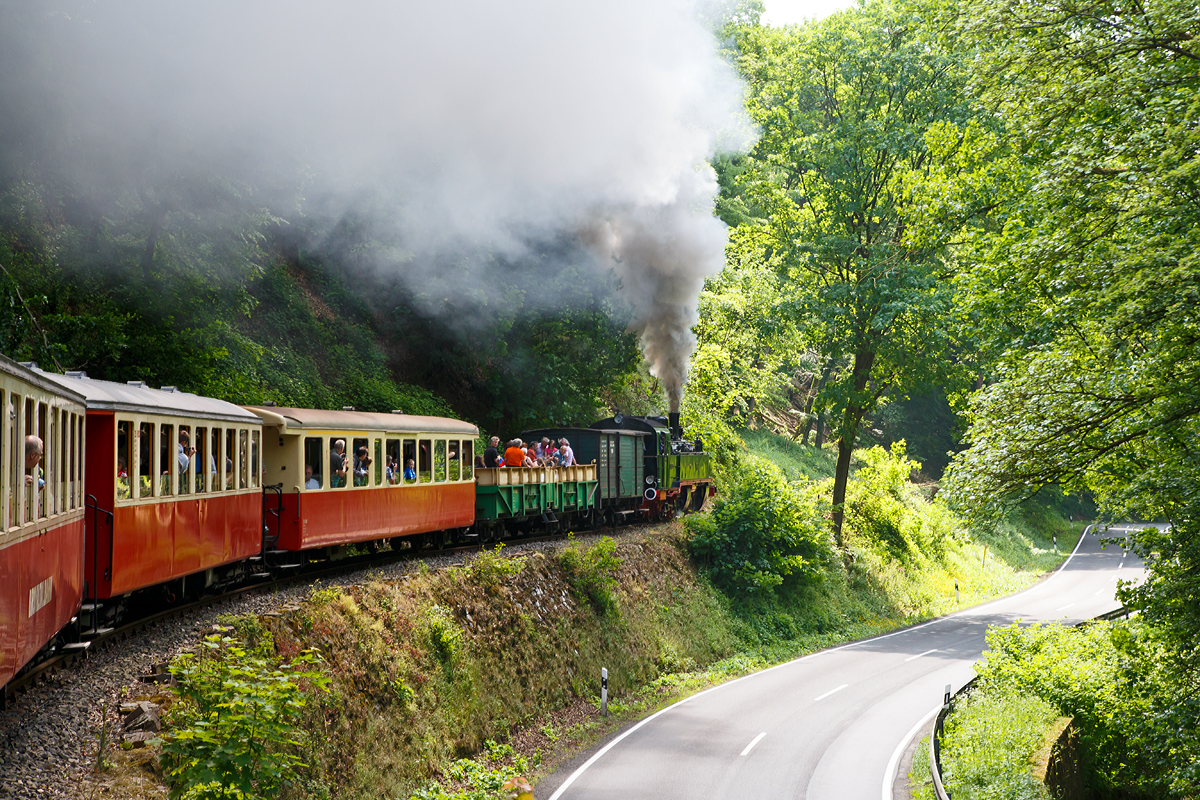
x,y
234,726
761,533
1135,710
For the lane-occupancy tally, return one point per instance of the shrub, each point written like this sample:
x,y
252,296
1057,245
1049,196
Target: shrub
x,y
235,722
592,572
445,635
490,568
760,533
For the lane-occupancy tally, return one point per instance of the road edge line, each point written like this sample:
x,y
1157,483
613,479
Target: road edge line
x,y
889,773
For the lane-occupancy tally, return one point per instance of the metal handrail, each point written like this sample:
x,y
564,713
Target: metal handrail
x,y
90,503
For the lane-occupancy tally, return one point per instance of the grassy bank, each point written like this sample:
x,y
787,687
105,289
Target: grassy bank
x,y
446,682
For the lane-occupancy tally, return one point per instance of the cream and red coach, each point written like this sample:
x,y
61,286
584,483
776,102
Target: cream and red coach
x,y
42,543
187,528
371,506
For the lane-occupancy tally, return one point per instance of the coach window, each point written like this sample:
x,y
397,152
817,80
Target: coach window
x,y
215,459
379,462
40,478
243,459
439,460
186,459
314,453
391,450
230,456
360,461
168,457
255,471
410,457
5,499
393,457
69,460
452,454
468,459
201,460
145,459
124,458
424,460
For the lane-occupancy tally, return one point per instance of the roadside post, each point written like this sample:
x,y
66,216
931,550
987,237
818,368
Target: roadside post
x,y
956,600
604,691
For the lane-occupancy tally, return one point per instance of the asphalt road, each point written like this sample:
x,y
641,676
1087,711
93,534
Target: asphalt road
x,y
831,725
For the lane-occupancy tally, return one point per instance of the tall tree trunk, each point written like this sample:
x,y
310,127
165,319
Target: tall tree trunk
x,y
826,373
856,409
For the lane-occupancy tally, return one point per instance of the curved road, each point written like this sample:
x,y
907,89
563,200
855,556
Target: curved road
x,y
831,725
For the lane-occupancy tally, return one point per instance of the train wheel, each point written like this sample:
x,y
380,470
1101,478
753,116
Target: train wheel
x,y
681,501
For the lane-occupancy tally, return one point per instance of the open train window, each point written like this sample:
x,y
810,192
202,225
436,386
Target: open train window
x,y
144,462
5,421
425,460
255,472
468,462
360,462
68,460
439,460
243,459
14,475
452,459
201,460
396,465
230,457
379,462
215,459
124,457
167,455
339,463
408,465
314,452
39,479
186,459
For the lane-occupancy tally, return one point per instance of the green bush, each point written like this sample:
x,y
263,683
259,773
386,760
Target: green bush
x,y
234,728
1138,717
592,572
989,743
761,532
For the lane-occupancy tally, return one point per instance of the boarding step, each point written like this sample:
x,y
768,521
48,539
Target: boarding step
x,y
89,607
74,646
260,576
96,634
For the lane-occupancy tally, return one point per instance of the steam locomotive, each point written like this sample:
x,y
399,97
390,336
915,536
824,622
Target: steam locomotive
x,y
150,496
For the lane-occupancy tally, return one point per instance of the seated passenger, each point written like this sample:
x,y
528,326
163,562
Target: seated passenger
x,y
530,458
479,462
566,456
310,481
389,470
410,470
122,478
552,455
362,460
337,464
185,452
514,456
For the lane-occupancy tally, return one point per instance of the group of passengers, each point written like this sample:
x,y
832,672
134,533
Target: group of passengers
x,y
341,464
517,453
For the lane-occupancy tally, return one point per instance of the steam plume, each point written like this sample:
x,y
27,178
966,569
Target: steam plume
x,y
473,124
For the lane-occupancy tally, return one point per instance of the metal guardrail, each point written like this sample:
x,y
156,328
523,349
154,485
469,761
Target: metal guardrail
x,y
935,748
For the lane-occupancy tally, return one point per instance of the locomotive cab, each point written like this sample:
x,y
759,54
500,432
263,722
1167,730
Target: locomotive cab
x,y
678,473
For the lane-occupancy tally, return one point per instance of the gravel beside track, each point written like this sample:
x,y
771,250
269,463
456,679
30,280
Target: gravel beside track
x,y
48,735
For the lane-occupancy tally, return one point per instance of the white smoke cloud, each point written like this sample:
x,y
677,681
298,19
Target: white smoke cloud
x,y
486,122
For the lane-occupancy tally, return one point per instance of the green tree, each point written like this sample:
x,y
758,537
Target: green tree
x,y
848,108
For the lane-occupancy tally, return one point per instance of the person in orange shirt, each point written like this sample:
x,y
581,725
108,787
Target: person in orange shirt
x,y
514,456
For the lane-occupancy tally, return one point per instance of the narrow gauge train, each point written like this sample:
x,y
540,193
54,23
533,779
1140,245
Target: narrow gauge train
x,y
186,495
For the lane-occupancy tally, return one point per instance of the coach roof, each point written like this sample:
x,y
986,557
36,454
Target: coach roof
x,y
38,378
138,398
316,419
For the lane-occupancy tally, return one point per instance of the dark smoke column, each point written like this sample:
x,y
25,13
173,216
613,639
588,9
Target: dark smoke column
x,y
663,252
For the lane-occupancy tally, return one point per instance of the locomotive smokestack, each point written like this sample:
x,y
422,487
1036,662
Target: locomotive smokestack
x,y
673,423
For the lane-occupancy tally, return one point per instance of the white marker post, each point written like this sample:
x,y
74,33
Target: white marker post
x,y
956,600
604,691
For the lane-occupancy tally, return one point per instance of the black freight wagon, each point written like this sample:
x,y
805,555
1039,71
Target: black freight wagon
x,y
618,455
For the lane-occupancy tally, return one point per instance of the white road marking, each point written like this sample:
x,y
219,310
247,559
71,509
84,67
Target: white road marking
x,y
1068,605
1098,591
831,691
889,774
965,612
918,655
756,740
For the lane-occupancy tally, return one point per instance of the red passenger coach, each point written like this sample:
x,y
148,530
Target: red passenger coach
x,y
332,498
186,518
41,506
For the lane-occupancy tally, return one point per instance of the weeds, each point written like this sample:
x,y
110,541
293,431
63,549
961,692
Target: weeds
x,y
592,572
